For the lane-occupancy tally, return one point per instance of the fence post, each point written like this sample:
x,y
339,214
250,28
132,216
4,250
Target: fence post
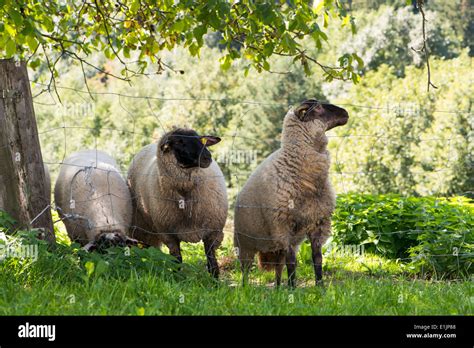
x,y
23,187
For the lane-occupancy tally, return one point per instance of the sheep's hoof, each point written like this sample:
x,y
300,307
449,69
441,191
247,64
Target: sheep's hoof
x,y
319,282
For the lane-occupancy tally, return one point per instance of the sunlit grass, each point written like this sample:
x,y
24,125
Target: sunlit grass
x,y
58,284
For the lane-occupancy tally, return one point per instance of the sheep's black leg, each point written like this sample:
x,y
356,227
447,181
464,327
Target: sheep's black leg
x,y
280,259
291,266
245,267
175,250
316,248
210,249
246,260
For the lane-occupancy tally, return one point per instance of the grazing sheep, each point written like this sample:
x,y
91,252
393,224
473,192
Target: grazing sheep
x,y
289,196
179,194
93,200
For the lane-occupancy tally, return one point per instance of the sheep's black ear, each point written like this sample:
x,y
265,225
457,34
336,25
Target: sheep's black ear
x,y
304,110
165,146
300,111
209,140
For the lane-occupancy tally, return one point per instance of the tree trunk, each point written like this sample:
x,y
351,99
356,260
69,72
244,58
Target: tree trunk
x,y
23,187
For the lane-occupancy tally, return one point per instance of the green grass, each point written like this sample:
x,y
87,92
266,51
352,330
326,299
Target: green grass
x,y
67,281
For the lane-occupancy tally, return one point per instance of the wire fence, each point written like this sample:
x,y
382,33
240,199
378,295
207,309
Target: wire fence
x,y
88,198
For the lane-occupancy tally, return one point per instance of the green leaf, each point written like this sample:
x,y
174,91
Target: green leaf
x,y
126,52
134,6
346,20
225,62
178,26
246,70
90,266
193,49
319,7
266,66
16,17
32,42
288,43
10,30
10,48
101,268
360,62
268,48
35,63
199,32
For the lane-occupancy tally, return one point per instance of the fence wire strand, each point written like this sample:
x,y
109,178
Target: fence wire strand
x,y
239,177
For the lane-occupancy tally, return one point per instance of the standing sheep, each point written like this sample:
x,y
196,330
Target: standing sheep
x,y
179,194
289,196
93,200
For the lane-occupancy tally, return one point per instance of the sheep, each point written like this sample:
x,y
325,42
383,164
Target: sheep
x,y
179,194
93,200
289,195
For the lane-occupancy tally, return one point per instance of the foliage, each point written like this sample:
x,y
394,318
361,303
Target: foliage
x,y
118,28
457,12
6,221
401,140
391,36
435,232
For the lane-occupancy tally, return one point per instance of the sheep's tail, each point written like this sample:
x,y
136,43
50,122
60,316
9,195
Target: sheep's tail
x,y
267,261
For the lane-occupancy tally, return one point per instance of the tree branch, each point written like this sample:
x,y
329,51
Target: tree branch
x,y
424,48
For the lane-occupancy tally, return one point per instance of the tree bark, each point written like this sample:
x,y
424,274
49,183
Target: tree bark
x,y
23,187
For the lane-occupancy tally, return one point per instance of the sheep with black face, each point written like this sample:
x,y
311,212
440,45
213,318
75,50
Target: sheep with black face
x,y
289,196
179,194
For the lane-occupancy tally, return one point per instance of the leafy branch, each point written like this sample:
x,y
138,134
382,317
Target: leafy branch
x,y
118,28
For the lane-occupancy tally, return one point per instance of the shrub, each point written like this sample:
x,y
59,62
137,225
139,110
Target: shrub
x,y
434,234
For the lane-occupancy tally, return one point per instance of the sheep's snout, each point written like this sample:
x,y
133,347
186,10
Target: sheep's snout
x,y
202,160
205,161
334,116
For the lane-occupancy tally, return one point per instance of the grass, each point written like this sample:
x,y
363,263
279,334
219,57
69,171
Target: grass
x,y
68,281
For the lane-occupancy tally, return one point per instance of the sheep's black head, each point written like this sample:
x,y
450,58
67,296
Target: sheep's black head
x,y
189,148
331,115
106,239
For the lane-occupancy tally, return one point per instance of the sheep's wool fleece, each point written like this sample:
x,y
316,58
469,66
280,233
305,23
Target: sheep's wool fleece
x,y
289,195
90,187
177,204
